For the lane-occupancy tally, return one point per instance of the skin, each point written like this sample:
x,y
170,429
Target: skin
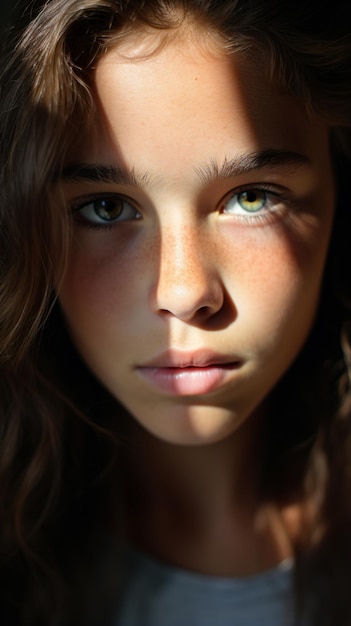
x,y
190,269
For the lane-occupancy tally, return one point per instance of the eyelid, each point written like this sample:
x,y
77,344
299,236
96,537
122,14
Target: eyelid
x,y
84,214
284,202
81,201
276,190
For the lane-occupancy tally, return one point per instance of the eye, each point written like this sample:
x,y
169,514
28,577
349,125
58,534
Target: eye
x,y
258,205
249,201
106,210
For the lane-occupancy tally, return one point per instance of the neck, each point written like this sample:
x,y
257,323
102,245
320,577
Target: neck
x,y
201,481
199,507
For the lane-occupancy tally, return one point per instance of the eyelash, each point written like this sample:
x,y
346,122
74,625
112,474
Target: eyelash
x,y
76,210
282,197
263,216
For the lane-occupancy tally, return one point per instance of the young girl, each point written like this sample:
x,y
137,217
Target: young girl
x,y
175,310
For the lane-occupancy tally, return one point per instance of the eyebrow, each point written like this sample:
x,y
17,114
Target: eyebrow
x,y
251,162
96,173
230,168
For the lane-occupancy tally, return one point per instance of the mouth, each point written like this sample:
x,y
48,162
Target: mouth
x,y
187,374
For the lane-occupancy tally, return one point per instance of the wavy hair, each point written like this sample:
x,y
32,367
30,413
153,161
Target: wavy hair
x,y
48,485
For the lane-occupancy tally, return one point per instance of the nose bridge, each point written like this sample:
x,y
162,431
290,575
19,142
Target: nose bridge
x,y
181,252
185,282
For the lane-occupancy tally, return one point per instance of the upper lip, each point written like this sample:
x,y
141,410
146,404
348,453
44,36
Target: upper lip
x,y
197,358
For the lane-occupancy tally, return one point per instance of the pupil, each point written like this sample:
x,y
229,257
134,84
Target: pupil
x,y
252,200
251,196
107,209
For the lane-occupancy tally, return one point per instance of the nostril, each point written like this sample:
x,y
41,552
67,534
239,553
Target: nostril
x,y
187,285
190,305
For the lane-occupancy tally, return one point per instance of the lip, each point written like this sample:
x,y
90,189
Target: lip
x,y
186,374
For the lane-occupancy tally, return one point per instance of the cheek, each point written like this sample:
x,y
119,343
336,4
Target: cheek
x,y
102,279
275,281
96,302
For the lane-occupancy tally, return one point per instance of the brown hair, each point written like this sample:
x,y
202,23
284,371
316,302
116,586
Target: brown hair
x,y
45,101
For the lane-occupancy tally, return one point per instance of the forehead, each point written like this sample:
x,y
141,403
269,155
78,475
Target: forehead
x,y
178,91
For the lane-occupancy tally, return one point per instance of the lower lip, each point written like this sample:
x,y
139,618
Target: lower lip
x,y
188,381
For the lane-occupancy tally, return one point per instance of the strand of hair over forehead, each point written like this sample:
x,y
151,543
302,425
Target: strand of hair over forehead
x,y
305,49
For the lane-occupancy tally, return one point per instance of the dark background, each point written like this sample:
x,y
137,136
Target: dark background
x,y
6,7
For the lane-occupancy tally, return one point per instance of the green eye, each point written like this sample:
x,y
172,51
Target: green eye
x,y
252,200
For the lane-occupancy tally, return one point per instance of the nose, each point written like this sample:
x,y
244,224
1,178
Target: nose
x,y
188,285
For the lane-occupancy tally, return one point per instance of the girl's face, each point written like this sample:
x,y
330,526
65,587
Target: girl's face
x,y
203,204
